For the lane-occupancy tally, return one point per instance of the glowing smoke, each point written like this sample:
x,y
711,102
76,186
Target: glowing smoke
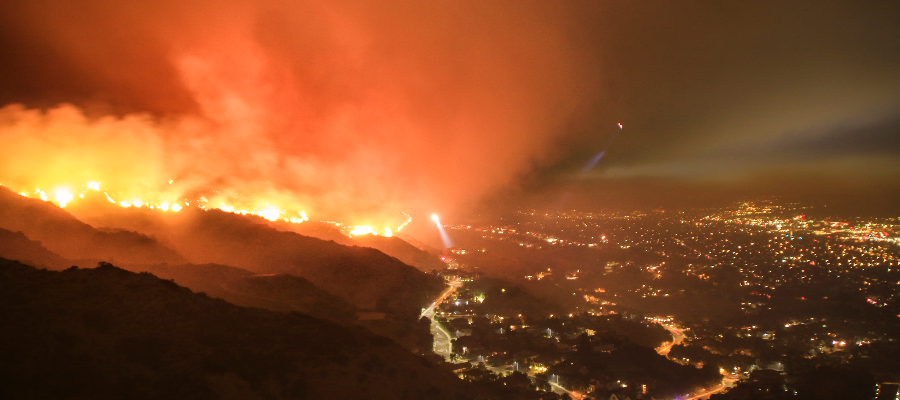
x,y
351,113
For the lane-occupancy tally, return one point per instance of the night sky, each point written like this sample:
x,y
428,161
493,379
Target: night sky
x,y
361,110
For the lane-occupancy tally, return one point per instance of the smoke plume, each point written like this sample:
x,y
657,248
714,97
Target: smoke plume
x,y
353,111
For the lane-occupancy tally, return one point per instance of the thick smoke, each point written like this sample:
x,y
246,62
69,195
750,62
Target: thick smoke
x,y
351,111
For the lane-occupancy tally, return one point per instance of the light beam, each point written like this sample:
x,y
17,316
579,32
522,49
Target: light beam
x,y
444,237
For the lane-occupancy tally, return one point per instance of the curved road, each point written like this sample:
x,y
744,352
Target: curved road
x,y
678,337
443,345
442,338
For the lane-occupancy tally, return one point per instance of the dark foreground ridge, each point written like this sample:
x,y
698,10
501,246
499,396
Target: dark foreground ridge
x,y
107,333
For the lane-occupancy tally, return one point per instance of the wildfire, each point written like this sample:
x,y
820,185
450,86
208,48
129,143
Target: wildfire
x,y
368,230
270,213
408,220
63,196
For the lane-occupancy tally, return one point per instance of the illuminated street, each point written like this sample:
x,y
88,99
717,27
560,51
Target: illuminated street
x,y
677,336
442,339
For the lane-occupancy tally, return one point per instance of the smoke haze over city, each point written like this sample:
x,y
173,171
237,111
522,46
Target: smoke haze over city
x,y
359,112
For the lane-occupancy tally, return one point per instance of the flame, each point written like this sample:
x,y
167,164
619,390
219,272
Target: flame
x,y
302,218
367,230
270,213
361,230
63,197
408,220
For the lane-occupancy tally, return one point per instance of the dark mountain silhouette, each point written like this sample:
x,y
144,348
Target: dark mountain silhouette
x,y
403,251
275,292
364,276
238,286
284,293
316,229
65,235
106,333
418,244
367,277
17,246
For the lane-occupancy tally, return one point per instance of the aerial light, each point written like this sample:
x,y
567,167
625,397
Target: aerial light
x,y
444,237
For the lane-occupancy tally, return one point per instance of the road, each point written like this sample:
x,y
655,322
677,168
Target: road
x,y
554,387
727,382
442,338
560,390
443,345
678,337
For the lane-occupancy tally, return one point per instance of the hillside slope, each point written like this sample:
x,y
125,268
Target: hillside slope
x,y
284,293
17,246
365,277
107,333
62,233
403,251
